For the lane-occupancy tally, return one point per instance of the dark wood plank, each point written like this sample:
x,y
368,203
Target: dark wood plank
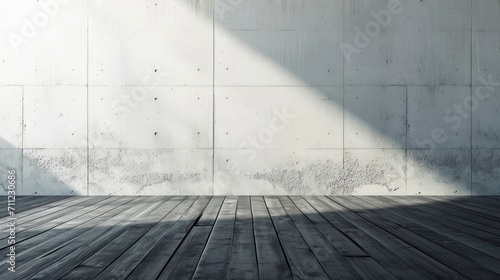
x,y
38,245
477,206
455,261
49,208
455,222
51,219
96,263
33,204
334,264
310,237
129,260
211,211
271,260
396,256
468,214
243,259
303,263
422,219
214,262
152,265
369,269
184,261
340,241
93,243
87,243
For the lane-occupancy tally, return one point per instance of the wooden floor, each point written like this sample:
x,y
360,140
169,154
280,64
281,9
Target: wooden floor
x,y
255,238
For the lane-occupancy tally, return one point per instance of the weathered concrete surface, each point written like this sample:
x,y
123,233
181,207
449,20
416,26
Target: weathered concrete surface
x,y
279,171
171,96
439,172
150,172
11,159
54,171
485,171
375,171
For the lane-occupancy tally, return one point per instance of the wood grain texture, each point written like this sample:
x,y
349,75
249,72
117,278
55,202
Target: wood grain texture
x,y
272,237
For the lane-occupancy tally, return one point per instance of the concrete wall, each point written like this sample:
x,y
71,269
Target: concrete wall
x,y
143,97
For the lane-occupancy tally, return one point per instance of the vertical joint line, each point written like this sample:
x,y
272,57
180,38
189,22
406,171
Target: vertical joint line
x,y
88,151
22,137
471,83
213,98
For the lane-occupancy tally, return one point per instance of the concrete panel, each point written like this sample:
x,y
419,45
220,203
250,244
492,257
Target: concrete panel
x,y
438,15
485,15
375,171
437,117
278,57
54,117
45,43
485,124
439,58
375,117
439,172
159,117
251,14
309,15
54,172
377,60
281,14
279,172
278,117
11,159
485,171
390,15
486,58
150,172
11,116
127,42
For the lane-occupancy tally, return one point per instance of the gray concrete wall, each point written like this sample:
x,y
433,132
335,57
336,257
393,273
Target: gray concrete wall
x,y
143,97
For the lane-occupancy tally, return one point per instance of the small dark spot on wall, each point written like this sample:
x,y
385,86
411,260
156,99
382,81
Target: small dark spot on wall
x,y
156,98
156,133
156,70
